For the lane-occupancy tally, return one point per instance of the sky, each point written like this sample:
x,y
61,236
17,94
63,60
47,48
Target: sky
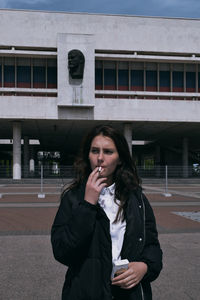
x,y
163,8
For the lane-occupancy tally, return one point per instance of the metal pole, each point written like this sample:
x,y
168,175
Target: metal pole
x,y
166,194
41,188
41,194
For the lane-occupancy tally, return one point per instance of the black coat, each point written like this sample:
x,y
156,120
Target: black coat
x,y
81,240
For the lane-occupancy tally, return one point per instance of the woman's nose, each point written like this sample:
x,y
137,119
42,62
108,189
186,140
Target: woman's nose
x,y
100,156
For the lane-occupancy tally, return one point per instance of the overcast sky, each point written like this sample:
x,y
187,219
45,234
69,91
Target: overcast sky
x,y
166,8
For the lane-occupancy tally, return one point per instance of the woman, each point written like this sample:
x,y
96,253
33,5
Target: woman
x,y
104,217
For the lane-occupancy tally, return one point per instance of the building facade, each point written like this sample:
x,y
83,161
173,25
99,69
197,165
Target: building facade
x,y
141,74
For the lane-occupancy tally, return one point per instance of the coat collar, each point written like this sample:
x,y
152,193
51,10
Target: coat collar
x,y
109,189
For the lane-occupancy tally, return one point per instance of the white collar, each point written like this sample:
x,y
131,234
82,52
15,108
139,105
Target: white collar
x,y
109,189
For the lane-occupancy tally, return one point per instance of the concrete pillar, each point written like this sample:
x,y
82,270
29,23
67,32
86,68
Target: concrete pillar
x,y
185,157
32,160
16,150
128,135
32,165
26,156
157,160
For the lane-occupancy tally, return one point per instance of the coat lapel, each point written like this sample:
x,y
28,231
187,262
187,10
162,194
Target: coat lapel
x,y
134,226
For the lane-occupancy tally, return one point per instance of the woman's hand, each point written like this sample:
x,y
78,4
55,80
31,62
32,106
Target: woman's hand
x,y
94,186
132,276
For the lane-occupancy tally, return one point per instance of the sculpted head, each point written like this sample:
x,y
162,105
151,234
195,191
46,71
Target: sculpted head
x,y
76,62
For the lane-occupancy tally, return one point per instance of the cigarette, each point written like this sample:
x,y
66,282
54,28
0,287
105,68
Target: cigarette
x,y
99,169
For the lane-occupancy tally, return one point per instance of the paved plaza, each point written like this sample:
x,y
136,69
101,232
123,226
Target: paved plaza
x,y
29,271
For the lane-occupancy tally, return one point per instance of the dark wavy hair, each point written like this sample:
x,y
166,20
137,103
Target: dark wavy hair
x,y
125,175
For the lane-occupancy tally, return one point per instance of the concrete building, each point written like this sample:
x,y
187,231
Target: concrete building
x,y
141,74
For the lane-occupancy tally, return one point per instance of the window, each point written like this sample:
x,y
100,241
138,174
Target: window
x,y
137,76
98,75
164,77
51,74
151,77
24,72
9,72
109,75
190,78
39,74
27,72
178,78
1,71
199,78
146,76
123,76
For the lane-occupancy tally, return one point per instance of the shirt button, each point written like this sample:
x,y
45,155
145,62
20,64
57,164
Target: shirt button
x,y
140,206
140,239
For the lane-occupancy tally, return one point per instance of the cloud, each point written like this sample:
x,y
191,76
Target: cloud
x,y
166,8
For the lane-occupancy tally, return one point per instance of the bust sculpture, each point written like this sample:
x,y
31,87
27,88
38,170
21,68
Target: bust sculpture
x,y
76,63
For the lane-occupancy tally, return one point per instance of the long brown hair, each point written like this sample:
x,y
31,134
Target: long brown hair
x,y
125,175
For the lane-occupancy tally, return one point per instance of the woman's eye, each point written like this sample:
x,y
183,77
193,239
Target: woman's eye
x,y
94,151
108,151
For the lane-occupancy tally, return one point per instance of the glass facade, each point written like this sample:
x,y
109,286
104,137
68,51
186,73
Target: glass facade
x,y
110,75
24,72
147,76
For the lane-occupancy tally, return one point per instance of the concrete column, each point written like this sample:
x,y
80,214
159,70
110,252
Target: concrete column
x,y
32,160
16,150
26,156
157,160
185,157
128,135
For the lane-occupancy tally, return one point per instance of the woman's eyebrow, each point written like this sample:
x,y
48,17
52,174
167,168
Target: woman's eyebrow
x,y
105,148
108,148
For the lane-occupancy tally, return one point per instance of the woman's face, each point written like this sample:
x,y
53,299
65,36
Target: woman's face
x,y
103,153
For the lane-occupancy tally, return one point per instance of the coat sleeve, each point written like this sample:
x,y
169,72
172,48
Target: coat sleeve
x,y
152,253
72,229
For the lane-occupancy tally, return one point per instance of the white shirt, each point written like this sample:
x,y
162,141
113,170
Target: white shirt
x,y
106,201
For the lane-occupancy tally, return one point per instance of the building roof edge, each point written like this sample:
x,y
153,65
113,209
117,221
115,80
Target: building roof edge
x,y
98,14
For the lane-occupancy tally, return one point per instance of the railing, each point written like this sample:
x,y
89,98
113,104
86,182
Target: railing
x,y
48,172
63,172
28,92
172,171
149,95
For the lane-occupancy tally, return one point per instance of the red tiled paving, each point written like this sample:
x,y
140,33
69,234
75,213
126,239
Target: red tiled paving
x,y
182,187
16,220
167,221
38,220
174,198
153,197
35,190
29,198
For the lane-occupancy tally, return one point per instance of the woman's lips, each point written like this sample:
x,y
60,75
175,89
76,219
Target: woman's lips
x,y
100,169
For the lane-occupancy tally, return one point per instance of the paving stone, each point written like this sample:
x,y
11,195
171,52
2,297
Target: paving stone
x,y
193,215
29,271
